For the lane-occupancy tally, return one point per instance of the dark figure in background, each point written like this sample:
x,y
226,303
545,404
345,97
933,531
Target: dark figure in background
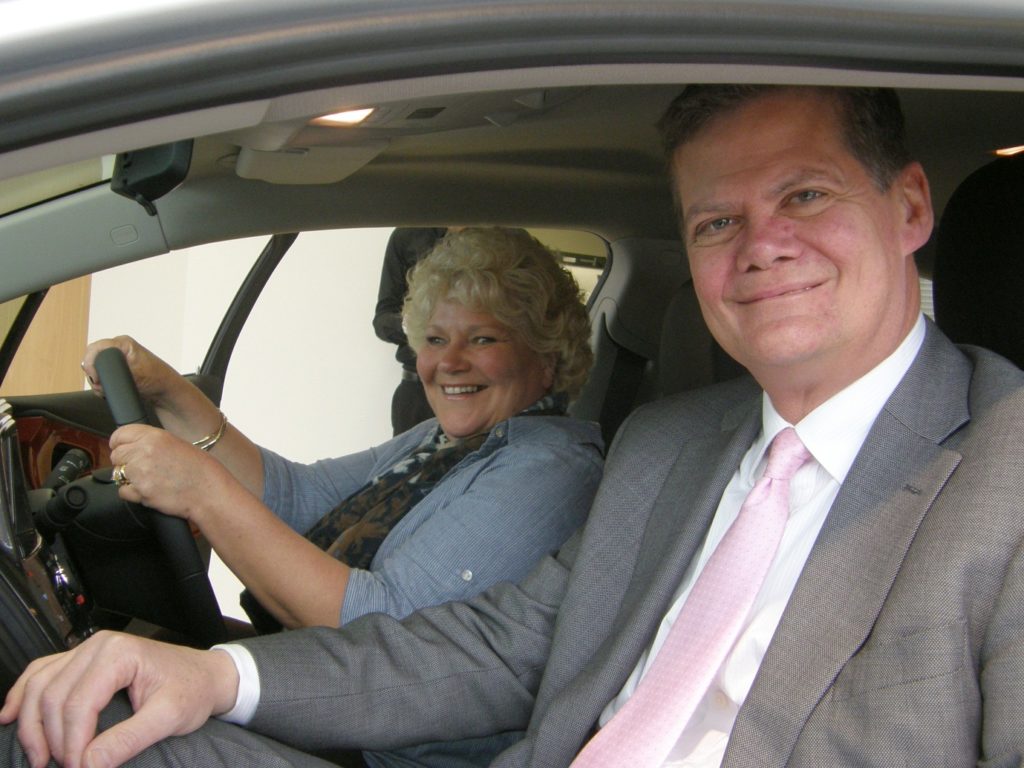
x,y
406,246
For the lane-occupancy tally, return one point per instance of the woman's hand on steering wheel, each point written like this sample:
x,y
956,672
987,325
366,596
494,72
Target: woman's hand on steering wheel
x,y
166,473
153,377
173,534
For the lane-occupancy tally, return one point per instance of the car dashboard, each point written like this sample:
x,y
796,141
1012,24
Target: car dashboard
x,y
39,592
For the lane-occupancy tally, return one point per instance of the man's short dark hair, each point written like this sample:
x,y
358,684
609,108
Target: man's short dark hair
x,y
871,121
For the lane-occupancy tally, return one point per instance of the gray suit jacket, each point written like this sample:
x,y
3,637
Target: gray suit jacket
x,y
903,643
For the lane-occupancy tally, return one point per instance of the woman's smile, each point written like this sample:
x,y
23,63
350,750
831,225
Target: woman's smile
x,y
476,371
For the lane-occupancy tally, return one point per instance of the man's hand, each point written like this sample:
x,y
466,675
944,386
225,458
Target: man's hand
x,y
173,690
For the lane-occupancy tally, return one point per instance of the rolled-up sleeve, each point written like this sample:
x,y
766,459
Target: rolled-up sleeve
x,y
300,494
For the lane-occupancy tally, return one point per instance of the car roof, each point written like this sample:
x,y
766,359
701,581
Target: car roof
x,y
527,113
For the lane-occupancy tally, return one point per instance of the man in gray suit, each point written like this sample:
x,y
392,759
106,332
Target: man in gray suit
x,y
890,627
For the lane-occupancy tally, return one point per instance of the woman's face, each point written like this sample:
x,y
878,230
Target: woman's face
x,y
476,372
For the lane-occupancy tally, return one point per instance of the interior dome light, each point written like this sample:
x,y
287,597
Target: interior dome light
x,y
348,117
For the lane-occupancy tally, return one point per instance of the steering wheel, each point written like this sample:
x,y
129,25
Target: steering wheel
x,y
173,534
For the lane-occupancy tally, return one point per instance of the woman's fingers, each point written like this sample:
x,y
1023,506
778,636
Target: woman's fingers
x,y
163,471
126,344
153,377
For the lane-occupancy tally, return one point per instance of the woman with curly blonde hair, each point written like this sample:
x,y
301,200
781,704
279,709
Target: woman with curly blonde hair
x,y
513,277
499,478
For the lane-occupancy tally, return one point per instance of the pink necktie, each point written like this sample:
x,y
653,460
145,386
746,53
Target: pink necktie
x,y
643,732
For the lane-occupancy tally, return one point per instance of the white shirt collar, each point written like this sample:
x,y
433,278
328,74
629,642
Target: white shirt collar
x,y
835,431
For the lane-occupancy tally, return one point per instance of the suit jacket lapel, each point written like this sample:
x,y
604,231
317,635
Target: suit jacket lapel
x,y
676,525
896,477
672,539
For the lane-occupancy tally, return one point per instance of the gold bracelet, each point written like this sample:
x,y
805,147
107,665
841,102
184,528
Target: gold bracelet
x,y
207,443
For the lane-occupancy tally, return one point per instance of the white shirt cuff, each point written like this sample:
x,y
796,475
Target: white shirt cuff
x,y
248,684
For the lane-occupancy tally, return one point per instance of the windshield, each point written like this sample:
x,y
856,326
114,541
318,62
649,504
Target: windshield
x,y
25,191
31,189
8,313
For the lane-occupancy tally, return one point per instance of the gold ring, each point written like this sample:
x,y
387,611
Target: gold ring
x,y
119,476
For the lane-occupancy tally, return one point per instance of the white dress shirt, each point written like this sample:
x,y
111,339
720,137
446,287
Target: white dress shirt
x,y
833,433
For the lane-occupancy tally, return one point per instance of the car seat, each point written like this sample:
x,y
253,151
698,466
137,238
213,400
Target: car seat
x,y
688,356
650,340
978,276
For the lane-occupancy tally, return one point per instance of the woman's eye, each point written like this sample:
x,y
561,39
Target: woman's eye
x,y
483,340
434,341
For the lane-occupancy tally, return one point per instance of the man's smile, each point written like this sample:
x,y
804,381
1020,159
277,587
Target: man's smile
x,y
779,292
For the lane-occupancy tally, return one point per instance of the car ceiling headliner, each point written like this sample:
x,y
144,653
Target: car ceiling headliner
x,y
591,160
563,138
62,74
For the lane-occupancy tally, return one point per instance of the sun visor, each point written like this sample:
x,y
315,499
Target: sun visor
x,y
309,165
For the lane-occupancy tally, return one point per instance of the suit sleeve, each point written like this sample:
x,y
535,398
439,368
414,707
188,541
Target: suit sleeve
x,y
454,671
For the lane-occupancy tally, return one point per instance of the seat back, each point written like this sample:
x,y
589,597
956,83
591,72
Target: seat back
x,y
688,355
979,260
626,313
650,339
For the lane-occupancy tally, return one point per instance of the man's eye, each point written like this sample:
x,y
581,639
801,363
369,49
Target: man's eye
x,y
807,196
712,227
434,341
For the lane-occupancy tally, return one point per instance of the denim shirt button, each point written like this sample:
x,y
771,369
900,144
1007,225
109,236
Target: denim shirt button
x,y
467,575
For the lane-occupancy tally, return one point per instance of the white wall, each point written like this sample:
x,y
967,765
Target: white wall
x,y
308,377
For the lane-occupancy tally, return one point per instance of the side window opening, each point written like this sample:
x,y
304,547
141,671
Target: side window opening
x,y
927,302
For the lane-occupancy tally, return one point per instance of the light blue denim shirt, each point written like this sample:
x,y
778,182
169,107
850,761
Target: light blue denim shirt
x,y
502,508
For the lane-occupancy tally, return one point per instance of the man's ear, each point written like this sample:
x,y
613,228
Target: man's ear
x,y
915,197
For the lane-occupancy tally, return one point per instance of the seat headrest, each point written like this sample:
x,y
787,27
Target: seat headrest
x,y
979,260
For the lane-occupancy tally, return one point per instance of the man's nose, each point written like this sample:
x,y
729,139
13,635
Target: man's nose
x,y
764,241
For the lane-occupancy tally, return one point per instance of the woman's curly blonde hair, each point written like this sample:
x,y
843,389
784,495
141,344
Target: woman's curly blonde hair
x,y
510,275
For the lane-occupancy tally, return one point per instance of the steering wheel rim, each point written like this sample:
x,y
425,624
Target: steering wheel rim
x,y
173,534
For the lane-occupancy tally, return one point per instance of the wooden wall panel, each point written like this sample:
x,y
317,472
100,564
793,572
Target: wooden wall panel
x,y
49,356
